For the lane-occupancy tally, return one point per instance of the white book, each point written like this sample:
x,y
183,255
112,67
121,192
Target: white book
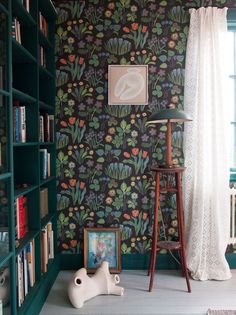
x,y
25,273
1,306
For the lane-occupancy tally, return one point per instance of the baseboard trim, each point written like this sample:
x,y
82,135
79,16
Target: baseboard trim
x,y
133,261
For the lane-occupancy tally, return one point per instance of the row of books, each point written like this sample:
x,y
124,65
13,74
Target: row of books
x,y
46,128
15,30
43,202
21,217
45,164
43,24
25,271
47,245
19,123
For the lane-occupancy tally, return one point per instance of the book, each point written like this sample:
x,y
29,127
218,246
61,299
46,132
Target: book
x,y
43,202
44,249
50,241
19,123
43,163
41,128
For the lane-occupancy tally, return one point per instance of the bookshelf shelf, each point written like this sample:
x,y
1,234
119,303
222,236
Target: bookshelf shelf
x,y
44,40
21,54
5,176
26,239
23,191
45,181
43,72
3,9
21,96
3,92
26,92
46,143
47,218
45,106
25,144
5,258
23,15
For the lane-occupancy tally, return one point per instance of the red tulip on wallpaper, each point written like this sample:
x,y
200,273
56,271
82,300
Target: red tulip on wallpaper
x,y
81,123
126,154
82,185
144,29
71,58
81,60
135,213
134,26
144,154
72,120
72,182
135,151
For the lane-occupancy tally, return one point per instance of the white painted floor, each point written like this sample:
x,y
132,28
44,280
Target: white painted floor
x,y
169,296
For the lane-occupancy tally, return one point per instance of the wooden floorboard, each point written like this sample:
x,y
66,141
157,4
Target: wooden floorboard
x,y
169,296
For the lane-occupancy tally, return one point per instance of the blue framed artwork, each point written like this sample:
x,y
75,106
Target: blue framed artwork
x,y
102,244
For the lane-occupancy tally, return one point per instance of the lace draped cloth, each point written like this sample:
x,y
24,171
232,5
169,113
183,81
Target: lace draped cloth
x,y
206,179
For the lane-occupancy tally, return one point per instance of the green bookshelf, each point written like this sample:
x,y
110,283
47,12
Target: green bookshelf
x,y
27,91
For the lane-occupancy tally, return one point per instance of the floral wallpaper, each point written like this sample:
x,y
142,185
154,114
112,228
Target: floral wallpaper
x,y
104,152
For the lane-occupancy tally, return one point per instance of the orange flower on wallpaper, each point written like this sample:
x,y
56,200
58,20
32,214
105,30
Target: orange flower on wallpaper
x,y
126,29
81,61
126,154
126,216
135,213
73,243
71,58
82,185
64,185
72,120
63,61
72,182
145,215
144,154
144,28
63,123
81,123
134,26
135,151
65,246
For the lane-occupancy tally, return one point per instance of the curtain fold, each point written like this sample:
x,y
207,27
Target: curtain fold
x,y
206,179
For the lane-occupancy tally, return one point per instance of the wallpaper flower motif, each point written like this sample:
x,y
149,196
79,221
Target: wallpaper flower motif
x,y
104,152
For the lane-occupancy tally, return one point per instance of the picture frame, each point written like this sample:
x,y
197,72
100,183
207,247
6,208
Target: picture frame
x,y
102,244
127,84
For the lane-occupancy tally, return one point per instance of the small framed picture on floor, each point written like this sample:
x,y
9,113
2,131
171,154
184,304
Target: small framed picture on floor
x,y
102,244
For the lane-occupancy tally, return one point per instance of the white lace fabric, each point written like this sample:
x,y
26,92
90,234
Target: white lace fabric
x,y
206,179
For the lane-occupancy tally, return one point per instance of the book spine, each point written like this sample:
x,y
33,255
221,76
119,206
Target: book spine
x,y
25,273
23,124
44,249
21,217
48,164
51,128
29,264
41,128
50,241
13,28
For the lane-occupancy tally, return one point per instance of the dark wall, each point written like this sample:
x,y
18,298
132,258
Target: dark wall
x,y
104,152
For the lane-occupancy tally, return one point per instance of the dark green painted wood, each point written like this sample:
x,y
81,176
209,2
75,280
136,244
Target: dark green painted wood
x,y
133,261
40,292
4,259
24,74
5,176
22,96
23,191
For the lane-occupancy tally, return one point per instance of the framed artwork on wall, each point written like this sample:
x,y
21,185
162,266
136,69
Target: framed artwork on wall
x,y
127,85
102,244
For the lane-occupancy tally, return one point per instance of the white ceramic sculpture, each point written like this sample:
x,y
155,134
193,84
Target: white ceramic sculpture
x,y
82,287
4,285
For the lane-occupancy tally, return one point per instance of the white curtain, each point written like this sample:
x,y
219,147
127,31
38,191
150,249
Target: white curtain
x,y
206,178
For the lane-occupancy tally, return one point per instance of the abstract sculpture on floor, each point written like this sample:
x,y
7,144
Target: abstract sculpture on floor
x,y
82,287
